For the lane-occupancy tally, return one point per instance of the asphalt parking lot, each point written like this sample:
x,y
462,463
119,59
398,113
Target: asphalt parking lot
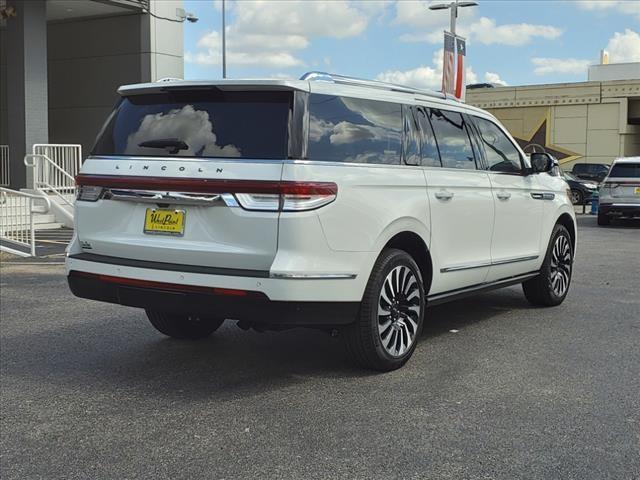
x,y
496,388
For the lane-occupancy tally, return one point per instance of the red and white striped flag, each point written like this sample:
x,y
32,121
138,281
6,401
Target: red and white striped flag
x,y
448,83
460,74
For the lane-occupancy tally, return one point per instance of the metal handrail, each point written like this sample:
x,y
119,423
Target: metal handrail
x,y
51,162
15,217
31,160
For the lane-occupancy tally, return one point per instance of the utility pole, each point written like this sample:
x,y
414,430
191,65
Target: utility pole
x,y
224,41
453,6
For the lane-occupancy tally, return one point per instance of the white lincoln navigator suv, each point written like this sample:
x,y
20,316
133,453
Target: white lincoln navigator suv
x,y
327,202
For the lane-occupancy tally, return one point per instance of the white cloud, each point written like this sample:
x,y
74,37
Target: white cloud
x,y
483,30
421,77
573,66
270,33
194,127
486,31
429,77
494,78
626,7
624,47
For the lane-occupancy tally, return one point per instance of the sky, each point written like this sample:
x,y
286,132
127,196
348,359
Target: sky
x,y
512,42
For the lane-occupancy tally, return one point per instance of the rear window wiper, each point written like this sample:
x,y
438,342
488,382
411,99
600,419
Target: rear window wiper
x,y
173,145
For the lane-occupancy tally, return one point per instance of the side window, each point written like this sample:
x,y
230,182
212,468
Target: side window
x,y
411,136
343,129
430,154
500,153
453,139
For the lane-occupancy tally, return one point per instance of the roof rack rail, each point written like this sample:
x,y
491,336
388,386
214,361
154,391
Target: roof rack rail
x,y
361,82
169,79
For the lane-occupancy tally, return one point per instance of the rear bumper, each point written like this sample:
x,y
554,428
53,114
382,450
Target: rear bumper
x,y
620,210
249,306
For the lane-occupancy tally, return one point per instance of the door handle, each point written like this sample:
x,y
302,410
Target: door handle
x,y
443,195
503,195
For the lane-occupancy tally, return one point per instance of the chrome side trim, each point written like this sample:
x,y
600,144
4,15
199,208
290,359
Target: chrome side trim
x,y
489,264
470,266
515,260
319,276
543,195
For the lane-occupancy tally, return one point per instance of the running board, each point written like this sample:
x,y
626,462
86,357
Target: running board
x,y
479,288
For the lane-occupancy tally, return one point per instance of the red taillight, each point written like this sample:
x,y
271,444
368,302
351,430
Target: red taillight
x,y
262,195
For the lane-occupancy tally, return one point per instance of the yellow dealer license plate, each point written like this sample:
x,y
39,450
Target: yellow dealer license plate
x,y
164,222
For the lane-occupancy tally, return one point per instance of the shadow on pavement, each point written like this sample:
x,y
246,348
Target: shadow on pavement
x,y
116,348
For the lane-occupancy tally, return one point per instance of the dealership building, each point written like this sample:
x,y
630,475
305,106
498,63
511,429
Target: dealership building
x,y
594,121
61,62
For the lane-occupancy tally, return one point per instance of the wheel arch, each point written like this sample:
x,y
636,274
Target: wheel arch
x,y
415,246
567,221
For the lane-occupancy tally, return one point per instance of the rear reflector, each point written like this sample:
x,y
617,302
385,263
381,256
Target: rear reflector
x,y
260,195
174,287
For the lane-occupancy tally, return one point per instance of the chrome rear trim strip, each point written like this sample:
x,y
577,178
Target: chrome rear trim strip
x,y
173,198
321,276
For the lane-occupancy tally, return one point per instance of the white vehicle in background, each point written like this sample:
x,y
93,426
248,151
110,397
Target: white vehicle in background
x,y
620,191
326,202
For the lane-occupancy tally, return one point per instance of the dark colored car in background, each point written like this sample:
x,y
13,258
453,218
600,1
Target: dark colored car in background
x,y
591,171
581,190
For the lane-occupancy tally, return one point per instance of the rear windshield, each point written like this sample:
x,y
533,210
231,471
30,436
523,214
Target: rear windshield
x,y
210,123
629,170
590,168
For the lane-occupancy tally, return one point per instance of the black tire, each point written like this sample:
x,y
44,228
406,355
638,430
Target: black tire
x,y
551,286
577,197
368,341
603,220
182,326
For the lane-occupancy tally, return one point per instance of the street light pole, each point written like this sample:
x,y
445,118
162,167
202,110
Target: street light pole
x,y
453,7
224,42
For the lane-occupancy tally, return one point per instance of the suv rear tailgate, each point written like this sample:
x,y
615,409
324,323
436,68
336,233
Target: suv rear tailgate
x,y
166,166
218,235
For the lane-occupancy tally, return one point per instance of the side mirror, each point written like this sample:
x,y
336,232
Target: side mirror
x,y
541,162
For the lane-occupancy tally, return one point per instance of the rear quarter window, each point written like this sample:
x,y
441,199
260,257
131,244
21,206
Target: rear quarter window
x,y
209,123
353,130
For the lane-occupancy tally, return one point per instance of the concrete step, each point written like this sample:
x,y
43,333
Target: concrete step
x,y
48,226
44,218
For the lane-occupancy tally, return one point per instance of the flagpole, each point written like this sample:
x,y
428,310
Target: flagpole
x,y
458,46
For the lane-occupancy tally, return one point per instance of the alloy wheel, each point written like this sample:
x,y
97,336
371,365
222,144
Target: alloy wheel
x,y
560,266
399,311
576,197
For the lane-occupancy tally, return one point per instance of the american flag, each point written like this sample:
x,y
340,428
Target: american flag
x,y
460,75
448,84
